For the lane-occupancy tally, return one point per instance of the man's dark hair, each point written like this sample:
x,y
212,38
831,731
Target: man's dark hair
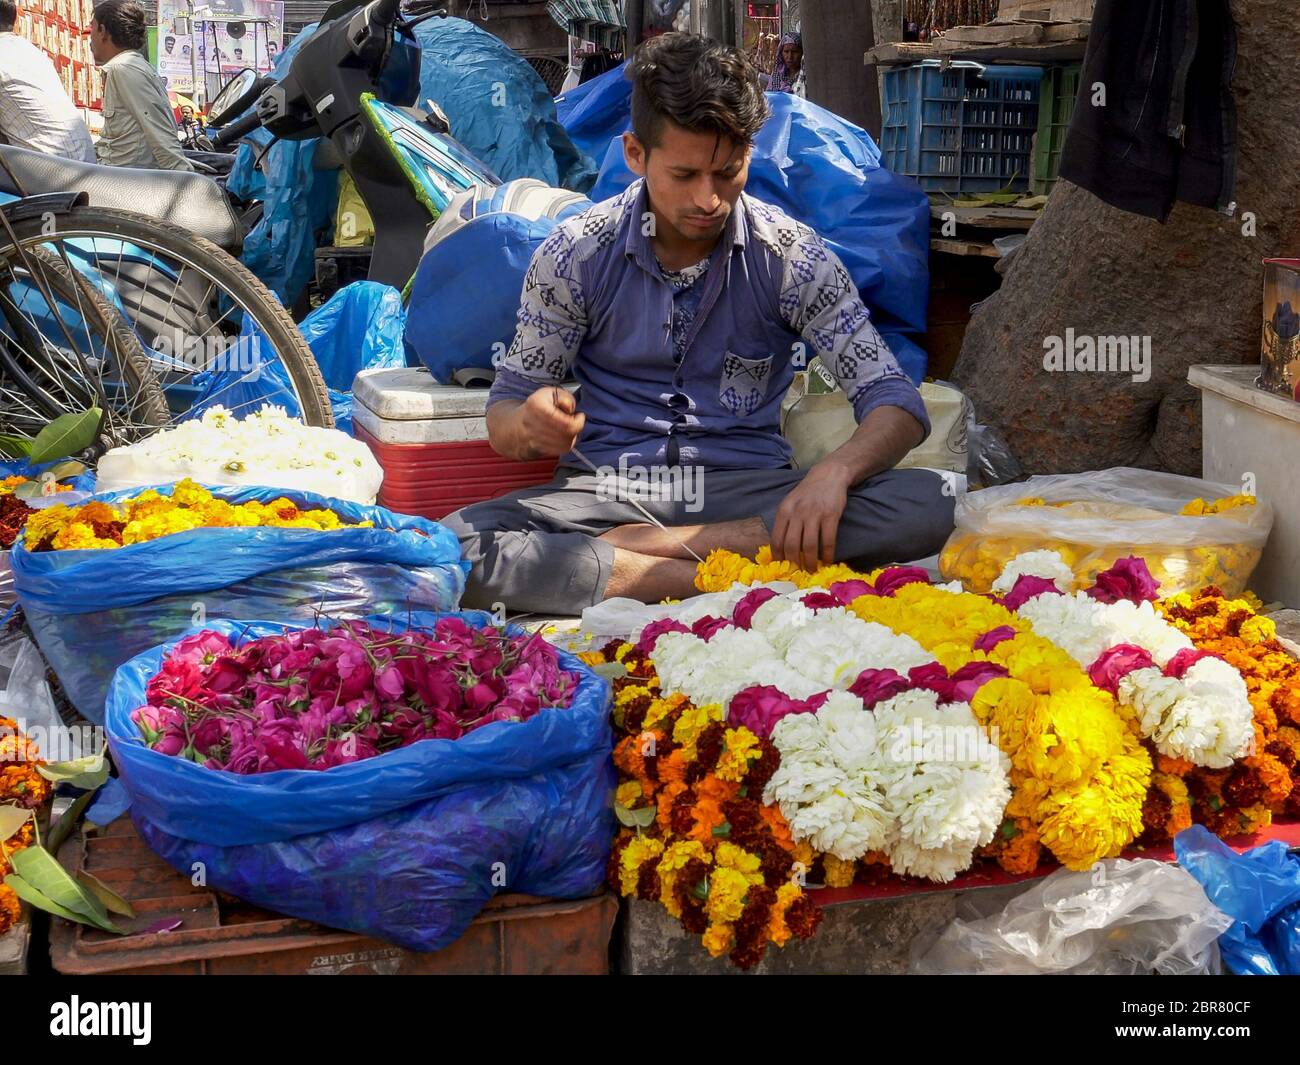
x,y
697,84
123,20
8,15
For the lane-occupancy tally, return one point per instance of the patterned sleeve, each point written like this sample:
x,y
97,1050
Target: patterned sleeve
x,y
821,304
551,323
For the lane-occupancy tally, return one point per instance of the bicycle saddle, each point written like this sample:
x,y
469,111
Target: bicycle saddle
x,y
184,199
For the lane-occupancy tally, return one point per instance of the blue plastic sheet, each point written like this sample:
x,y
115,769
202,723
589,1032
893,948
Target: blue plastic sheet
x,y
1260,889
497,105
823,171
359,328
92,610
448,330
407,846
83,482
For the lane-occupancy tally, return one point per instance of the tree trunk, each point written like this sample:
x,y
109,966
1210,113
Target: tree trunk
x,y
1194,286
835,38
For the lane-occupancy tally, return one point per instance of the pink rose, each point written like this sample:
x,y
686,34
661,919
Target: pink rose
x,y
895,577
759,708
877,685
847,591
993,637
933,677
705,627
651,633
1129,579
973,676
743,614
202,647
1184,660
820,601
1025,589
1115,663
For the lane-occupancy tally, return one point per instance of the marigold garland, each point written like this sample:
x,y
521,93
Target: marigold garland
x,y
20,785
151,515
713,856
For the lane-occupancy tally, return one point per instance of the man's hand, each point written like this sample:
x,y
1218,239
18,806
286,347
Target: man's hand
x,y
808,519
545,425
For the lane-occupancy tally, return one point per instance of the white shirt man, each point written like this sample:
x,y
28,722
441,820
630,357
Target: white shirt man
x,y
35,111
139,129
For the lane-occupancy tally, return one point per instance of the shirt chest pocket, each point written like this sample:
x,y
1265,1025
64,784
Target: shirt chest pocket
x,y
743,382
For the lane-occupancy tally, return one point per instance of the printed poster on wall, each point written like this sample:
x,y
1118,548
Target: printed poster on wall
x,y
219,46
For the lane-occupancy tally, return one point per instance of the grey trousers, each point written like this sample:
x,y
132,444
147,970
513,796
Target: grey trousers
x,y
534,550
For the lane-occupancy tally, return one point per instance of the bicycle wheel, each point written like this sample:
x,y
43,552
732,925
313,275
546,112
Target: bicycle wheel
x,y
63,346
211,331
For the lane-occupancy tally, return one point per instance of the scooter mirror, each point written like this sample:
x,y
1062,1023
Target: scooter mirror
x,y
236,96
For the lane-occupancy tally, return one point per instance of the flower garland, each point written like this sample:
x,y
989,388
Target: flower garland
x,y
1246,797
22,786
151,515
1192,705
703,845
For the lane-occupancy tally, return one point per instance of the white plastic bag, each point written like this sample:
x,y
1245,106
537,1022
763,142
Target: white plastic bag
x,y
1110,514
1121,918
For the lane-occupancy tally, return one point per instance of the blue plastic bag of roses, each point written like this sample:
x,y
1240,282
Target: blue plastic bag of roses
x,y
385,776
92,609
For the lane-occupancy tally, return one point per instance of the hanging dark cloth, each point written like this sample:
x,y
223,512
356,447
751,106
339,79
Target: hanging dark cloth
x,y
1167,129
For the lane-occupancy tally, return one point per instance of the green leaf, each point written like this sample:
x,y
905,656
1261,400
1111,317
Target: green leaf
x,y
66,435
610,670
36,867
89,772
33,896
642,818
67,468
12,818
1008,829
723,830
28,490
112,901
15,447
64,826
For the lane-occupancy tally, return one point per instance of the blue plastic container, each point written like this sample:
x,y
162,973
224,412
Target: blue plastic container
x,y
968,128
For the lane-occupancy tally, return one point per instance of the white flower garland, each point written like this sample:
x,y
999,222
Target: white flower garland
x,y
915,778
1205,717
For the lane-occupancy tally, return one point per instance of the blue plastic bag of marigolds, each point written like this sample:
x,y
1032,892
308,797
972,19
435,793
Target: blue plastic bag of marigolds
x,y
92,609
406,845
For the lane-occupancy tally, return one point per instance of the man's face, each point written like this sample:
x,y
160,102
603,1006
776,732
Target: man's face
x,y
693,179
170,45
102,48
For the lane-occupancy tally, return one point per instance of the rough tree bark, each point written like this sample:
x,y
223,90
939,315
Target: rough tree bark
x,y
835,38
1193,285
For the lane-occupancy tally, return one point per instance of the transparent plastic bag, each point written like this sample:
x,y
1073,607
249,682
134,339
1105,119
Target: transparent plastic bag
x,y
1121,918
1094,519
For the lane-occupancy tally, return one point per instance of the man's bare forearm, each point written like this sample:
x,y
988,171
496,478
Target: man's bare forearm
x,y
879,443
503,431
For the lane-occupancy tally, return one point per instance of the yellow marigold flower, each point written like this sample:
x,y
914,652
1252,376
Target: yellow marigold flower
x,y
691,723
627,793
740,746
717,939
777,930
1258,630
630,693
591,658
621,651
188,493
640,850
727,890
730,856
839,873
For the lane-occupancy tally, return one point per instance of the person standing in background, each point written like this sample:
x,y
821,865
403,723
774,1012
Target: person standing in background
x,y
789,74
139,129
35,111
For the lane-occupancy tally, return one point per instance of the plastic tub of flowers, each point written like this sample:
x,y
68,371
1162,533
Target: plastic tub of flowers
x,y
182,929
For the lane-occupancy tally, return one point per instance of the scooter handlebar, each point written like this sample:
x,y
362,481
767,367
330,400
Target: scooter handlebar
x,y
239,128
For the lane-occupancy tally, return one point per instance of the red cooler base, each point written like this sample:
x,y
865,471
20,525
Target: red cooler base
x,y
432,480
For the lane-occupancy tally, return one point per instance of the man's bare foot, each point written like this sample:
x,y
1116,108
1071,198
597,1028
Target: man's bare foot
x,y
744,537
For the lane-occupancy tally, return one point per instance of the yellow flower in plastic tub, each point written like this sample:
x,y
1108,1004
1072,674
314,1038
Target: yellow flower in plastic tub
x,y
1191,532
266,448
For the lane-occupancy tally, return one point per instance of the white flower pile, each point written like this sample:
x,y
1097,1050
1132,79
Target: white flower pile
x,y
265,448
915,778
1205,717
1047,564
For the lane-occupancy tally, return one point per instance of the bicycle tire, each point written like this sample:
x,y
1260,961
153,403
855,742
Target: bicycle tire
x,y
233,276
148,405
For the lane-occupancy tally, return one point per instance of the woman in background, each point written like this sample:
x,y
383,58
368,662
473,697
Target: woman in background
x,y
789,73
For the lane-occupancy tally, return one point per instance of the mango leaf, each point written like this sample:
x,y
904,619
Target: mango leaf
x,y
15,447
66,435
12,818
28,490
642,818
35,897
66,468
88,772
37,868
112,901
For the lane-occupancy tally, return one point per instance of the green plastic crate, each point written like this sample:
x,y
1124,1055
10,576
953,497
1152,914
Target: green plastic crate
x,y
1055,108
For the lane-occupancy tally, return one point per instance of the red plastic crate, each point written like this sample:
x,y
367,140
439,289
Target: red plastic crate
x,y
432,480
